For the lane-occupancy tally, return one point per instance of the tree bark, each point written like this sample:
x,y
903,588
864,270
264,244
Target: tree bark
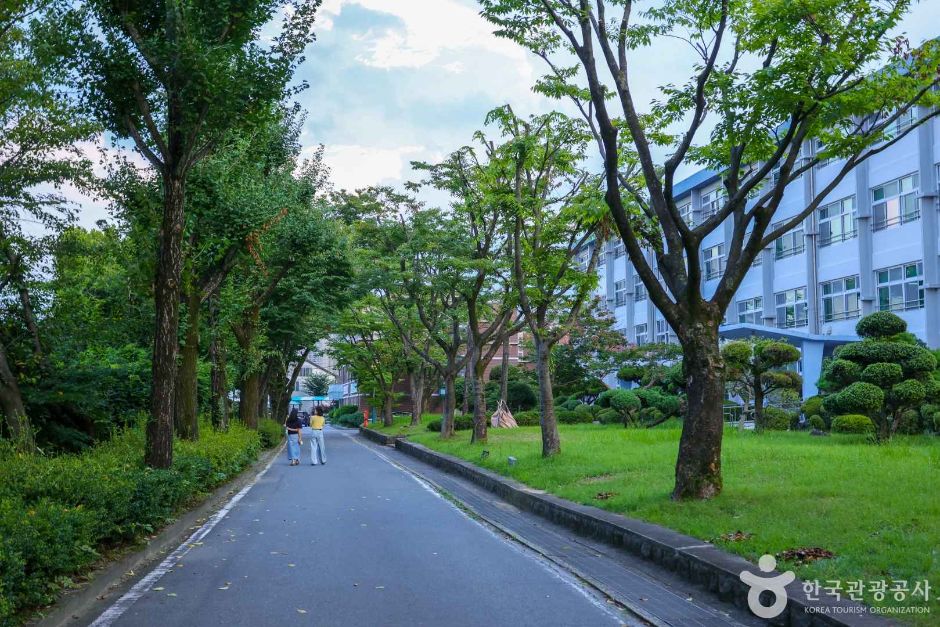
x,y
698,467
219,410
758,407
479,401
450,406
417,380
187,382
159,445
504,371
387,418
11,403
467,378
551,442
249,398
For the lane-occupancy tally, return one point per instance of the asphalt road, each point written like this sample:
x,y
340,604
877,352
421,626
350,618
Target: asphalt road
x,y
356,542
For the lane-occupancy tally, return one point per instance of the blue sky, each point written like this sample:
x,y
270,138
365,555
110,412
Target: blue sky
x,y
393,81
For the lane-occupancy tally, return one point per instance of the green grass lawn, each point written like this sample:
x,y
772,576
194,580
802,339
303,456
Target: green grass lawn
x,y
402,425
876,507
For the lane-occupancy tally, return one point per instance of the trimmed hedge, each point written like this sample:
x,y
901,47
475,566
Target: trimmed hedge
x,y
852,423
528,418
776,419
57,514
348,419
462,422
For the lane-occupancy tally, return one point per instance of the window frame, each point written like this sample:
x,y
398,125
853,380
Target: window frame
x,y
785,321
902,197
903,280
844,293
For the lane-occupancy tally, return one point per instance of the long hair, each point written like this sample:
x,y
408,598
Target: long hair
x,y
293,413
319,410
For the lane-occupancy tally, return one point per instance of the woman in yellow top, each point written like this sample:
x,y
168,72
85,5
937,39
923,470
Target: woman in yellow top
x,y
317,449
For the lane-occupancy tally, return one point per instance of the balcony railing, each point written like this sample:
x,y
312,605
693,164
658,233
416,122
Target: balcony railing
x,y
896,220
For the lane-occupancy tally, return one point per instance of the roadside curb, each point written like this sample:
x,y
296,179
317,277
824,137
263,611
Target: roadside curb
x,y
692,559
104,585
378,437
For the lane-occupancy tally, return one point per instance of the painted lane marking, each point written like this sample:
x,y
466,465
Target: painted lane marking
x,y
143,586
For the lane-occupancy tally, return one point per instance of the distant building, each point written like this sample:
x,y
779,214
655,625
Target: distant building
x,y
871,246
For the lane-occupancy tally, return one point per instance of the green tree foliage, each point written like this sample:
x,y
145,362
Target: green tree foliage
x,y
766,79
883,376
40,130
175,78
591,352
756,368
317,384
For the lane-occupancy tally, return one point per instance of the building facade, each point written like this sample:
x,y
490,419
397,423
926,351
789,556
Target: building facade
x,y
871,246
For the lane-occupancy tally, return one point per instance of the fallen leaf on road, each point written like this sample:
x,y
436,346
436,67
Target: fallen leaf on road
x,y
171,594
291,565
380,587
160,589
301,611
224,588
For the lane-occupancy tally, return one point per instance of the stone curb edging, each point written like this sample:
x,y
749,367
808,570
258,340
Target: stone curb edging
x,y
695,560
107,583
378,437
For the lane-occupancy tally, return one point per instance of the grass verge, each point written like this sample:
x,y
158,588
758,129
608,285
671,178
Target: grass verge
x,y
875,507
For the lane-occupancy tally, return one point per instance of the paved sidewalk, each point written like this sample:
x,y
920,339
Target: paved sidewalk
x,y
358,542
654,593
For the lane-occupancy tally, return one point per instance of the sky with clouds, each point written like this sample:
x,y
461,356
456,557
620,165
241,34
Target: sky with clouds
x,y
392,81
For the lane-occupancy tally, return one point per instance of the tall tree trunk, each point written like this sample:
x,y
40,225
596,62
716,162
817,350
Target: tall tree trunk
x,y
504,371
551,442
30,319
698,467
479,401
219,407
450,406
758,407
417,380
387,418
467,377
11,403
159,446
249,398
187,381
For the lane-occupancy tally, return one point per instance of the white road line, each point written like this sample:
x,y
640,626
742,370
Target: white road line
x,y
144,585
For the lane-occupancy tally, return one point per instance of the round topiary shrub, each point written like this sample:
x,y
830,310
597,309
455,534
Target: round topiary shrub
x,y
852,423
813,406
883,375
880,324
561,400
776,419
609,416
858,397
567,417
571,403
528,418
603,399
842,371
625,402
816,422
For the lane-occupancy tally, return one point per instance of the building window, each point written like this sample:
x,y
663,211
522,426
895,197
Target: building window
x,y
901,287
620,293
818,147
790,243
895,203
791,308
714,261
838,222
619,250
751,311
712,202
685,211
640,331
663,332
840,299
901,124
639,289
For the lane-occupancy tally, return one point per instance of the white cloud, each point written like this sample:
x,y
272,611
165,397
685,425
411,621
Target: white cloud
x,y
354,166
430,30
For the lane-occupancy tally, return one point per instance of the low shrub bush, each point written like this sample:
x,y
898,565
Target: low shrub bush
x,y
813,406
776,419
609,416
461,423
816,422
528,418
567,417
852,423
345,409
571,404
351,420
271,433
57,514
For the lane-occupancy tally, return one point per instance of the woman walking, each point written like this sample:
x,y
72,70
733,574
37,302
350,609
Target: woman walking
x,y
294,437
317,448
